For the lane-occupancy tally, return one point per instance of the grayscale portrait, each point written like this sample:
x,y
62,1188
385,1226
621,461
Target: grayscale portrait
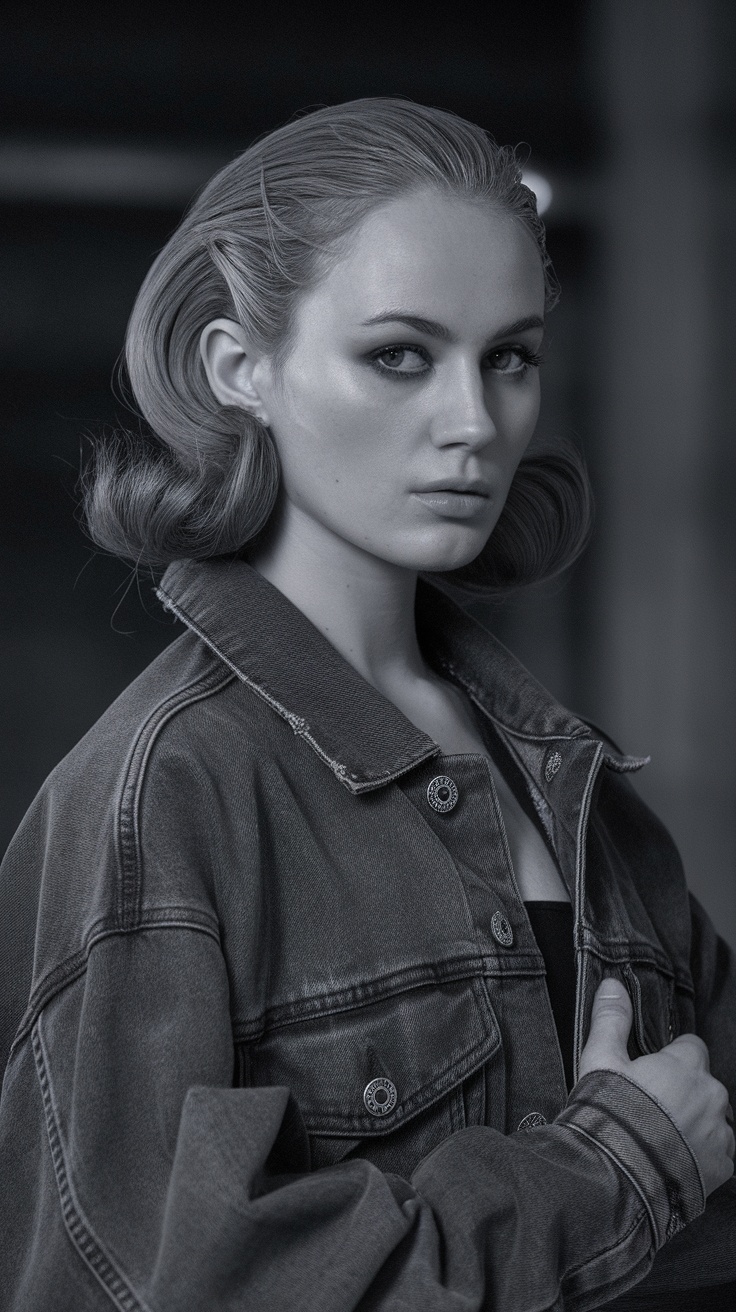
x,y
367,911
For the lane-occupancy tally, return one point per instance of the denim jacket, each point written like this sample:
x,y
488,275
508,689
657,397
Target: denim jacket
x,y
276,1026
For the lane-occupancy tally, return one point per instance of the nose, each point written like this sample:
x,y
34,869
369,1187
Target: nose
x,y
464,418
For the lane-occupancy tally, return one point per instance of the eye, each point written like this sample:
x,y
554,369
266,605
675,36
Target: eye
x,y
401,361
513,360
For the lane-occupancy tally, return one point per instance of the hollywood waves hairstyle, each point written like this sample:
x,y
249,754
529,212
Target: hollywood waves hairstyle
x,y
264,230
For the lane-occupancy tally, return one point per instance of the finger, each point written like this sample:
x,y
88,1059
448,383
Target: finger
x,y
691,1050
729,1114
610,1025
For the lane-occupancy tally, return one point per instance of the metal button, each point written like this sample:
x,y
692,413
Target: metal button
x,y
554,761
380,1096
442,793
531,1119
501,929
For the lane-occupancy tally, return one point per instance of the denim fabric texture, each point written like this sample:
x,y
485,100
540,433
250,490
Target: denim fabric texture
x,y
232,907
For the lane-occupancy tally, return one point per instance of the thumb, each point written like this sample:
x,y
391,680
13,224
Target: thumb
x,y
610,1024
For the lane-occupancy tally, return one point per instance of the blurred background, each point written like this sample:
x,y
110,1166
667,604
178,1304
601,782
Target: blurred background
x,y
112,117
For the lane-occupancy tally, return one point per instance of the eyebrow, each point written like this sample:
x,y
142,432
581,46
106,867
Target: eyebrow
x,y
431,328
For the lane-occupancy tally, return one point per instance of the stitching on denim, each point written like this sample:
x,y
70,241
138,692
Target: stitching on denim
x,y
580,851
354,998
297,722
132,790
77,1226
670,1118
75,966
625,765
539,801
613,951
622,763
168,916
439,1084
407,798
479,695
634,989
501,826
620,951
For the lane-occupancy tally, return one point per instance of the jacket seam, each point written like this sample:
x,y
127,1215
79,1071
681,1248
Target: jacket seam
x,y
74,967
129,829
621,762
672,1122
396,984
83,1238
579,906
297,723
625,951
604,1252
602,1147
478,695
438,1086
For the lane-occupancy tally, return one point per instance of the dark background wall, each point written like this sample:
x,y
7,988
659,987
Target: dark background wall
x,y
110,118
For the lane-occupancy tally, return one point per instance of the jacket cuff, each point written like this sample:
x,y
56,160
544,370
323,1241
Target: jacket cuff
x,y
634,1129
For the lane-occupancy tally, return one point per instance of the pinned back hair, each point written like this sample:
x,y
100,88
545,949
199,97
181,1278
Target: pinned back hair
x,y
263,231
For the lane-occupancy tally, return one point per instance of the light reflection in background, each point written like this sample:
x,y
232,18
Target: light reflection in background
x,y
541,187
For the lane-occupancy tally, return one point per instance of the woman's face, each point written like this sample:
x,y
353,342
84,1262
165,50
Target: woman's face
x,y
411,389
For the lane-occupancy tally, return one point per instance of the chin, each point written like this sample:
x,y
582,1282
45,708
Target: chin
x,y
441,562
442,557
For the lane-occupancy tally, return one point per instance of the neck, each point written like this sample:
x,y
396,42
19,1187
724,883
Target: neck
x,y
363,605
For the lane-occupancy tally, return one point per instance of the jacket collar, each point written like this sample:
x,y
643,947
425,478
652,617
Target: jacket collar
x,y
366,740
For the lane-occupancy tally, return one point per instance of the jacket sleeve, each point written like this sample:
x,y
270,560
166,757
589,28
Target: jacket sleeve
x,y
135,1176
713,966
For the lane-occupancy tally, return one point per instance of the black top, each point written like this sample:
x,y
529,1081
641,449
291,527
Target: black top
x,y
552,925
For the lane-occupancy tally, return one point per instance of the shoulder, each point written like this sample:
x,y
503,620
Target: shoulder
x,y
116,838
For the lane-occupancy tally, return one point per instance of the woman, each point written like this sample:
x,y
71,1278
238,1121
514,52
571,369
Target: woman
x,y
291,1011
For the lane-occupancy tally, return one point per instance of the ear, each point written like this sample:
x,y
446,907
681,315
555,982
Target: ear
x,y
229,364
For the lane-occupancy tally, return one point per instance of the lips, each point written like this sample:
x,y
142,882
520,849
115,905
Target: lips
x,y
453,502
475,487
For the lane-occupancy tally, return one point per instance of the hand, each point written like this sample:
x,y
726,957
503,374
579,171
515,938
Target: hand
x,y
678,1076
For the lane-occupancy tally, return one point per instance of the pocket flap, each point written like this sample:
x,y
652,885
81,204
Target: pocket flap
x,y
396,1055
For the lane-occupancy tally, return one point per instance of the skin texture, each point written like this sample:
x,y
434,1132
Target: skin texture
x,y
357,445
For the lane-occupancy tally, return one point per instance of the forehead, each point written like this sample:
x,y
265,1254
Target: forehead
x,y
462,262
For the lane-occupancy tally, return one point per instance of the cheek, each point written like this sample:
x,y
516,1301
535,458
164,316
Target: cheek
x,y
336,461
327,415
519,412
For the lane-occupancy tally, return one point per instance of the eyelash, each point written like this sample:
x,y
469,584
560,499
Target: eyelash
x,y
529,360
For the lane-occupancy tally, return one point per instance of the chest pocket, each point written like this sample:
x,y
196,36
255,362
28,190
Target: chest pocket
x,y
393,1077
652,994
